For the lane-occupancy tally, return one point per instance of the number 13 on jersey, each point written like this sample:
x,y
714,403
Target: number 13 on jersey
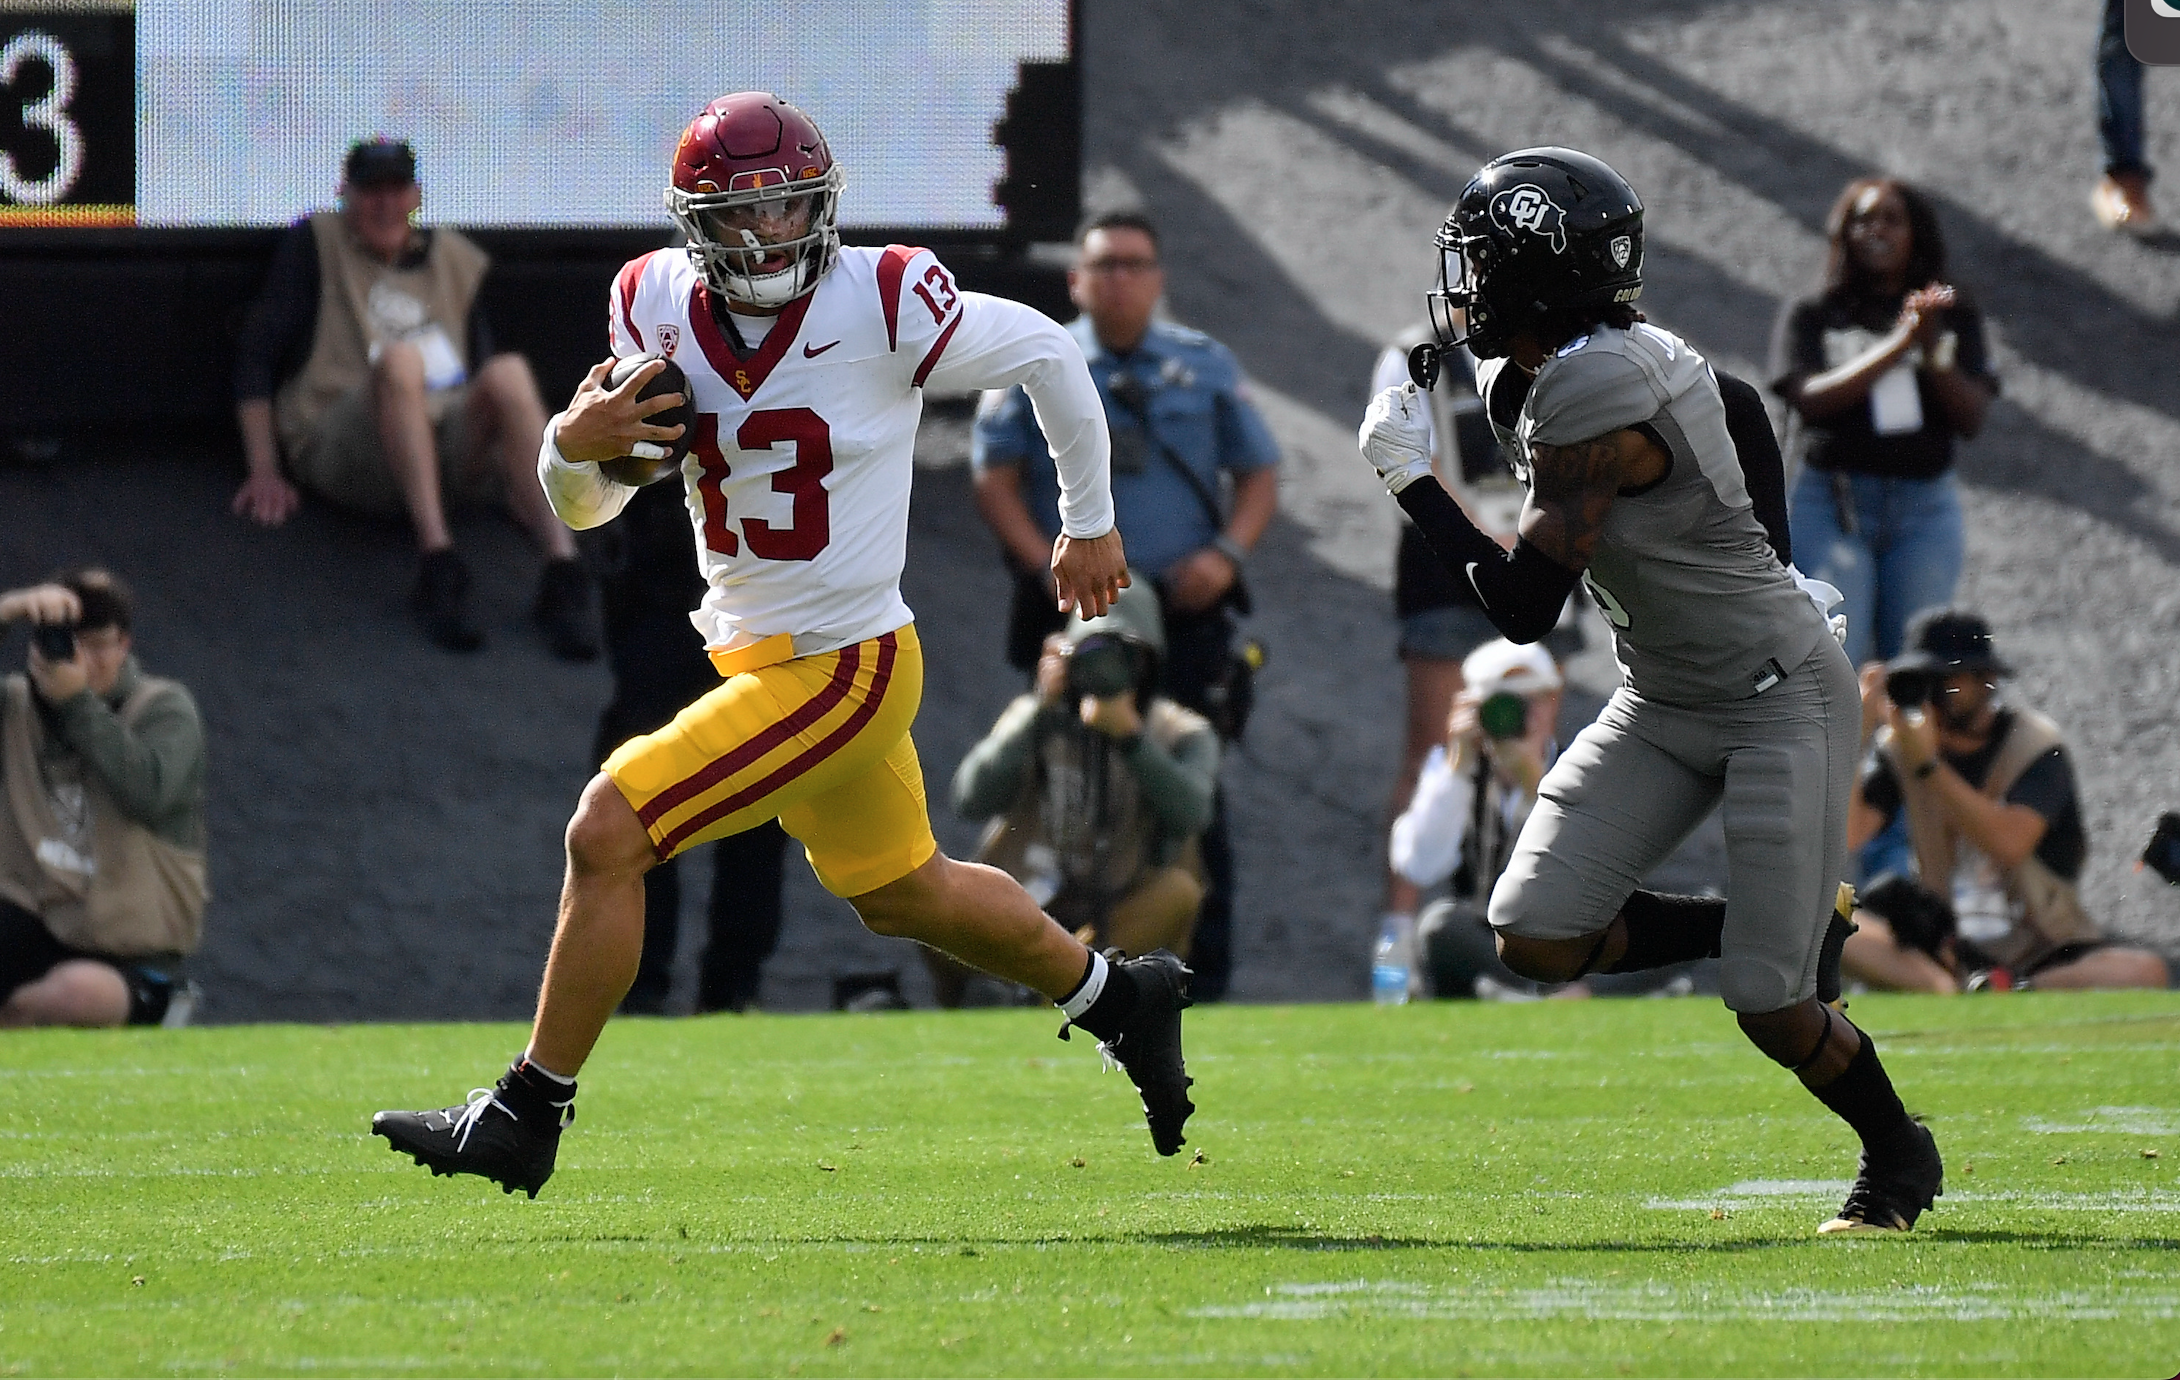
x,y
810,528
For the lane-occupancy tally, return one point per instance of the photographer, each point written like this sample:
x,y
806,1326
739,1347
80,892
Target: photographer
x,y
1995,826
1471,797
102,875
1099,787
1195,483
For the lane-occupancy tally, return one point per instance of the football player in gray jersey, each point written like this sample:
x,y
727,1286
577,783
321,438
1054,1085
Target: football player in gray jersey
x,y
1734,692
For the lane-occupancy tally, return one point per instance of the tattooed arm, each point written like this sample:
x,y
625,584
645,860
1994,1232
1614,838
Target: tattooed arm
x,y
1572,488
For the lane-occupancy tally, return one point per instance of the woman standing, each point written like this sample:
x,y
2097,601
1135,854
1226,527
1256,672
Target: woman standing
x,y
1884,366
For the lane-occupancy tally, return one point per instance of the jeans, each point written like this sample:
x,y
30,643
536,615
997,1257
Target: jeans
x,y
2119,96
1903,556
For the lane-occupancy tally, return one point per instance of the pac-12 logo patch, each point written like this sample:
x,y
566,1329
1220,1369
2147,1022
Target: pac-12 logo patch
x,y
669,337
1622,247
1529,207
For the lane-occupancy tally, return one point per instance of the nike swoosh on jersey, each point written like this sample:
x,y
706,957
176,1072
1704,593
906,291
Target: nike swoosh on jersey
x,y
813,351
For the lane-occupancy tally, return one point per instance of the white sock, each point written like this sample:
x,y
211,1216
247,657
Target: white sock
x,y
1093,985
562,1079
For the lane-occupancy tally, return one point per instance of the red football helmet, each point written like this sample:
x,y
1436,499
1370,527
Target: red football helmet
x,y
757,193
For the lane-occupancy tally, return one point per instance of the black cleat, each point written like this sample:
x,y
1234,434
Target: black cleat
x,y
1841,925
1887,1198
506,1133
1149,1044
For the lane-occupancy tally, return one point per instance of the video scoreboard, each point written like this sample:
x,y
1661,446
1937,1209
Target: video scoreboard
x,y
548,113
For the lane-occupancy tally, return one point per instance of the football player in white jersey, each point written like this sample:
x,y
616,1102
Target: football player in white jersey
x,y
805,361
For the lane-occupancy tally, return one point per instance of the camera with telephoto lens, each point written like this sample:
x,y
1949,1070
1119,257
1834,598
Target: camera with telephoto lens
x,y
1911,687
1101,666
55,641
1503,716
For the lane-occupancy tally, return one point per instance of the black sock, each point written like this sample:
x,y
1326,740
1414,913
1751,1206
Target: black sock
x,y
524,1078
1663,930
1862,1096
1110,1011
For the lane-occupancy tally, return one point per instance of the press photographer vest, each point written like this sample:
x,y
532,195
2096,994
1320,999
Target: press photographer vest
x,y
104,884
364,303
2045,908
1082,808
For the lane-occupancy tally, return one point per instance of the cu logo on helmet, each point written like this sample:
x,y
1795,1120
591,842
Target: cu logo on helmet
x,y
1530,208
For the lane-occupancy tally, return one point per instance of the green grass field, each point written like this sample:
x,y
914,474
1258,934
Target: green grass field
x,y
1596,1188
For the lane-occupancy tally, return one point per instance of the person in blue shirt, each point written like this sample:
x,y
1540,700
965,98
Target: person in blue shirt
x,y
1195,483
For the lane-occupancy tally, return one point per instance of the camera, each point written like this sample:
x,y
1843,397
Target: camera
x,y
54,641
1102,665
1503,716
1911,687
2162,856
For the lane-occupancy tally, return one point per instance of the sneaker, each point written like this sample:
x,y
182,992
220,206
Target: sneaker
x,y
1148,1046
2121,202
1841,925
1992,980
564,611
183,1005
442,586
507,1133
1888,1198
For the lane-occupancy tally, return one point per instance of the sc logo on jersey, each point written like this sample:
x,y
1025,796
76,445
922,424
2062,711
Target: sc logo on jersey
x,y
1529,207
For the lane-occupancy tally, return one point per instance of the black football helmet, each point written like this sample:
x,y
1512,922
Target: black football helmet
x,y
1537,232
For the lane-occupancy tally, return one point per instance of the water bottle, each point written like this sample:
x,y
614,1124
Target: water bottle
x,y
1393,961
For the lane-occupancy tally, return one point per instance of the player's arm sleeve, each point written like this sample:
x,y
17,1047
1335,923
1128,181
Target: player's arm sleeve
x,y
1523,590
1427,838
581,495
995,343
990,778
1763,469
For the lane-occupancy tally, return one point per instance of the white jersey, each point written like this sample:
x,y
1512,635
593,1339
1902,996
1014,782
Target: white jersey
x,y
799,471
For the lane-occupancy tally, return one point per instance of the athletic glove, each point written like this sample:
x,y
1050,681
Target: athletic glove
x,y
1396,436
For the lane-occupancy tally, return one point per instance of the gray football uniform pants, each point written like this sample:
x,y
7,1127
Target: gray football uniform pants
x,y
1639,779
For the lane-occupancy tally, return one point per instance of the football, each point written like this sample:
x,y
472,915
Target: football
x,y
629,469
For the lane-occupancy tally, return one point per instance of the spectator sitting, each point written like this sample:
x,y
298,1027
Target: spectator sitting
x,y
1098,788
1995,827
1471,797
368,362
1884,367
1183,426
102,878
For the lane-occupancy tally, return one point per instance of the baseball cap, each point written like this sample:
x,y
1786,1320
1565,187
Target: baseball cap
x,y
1134,614
1944,640
380,163
1500,666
